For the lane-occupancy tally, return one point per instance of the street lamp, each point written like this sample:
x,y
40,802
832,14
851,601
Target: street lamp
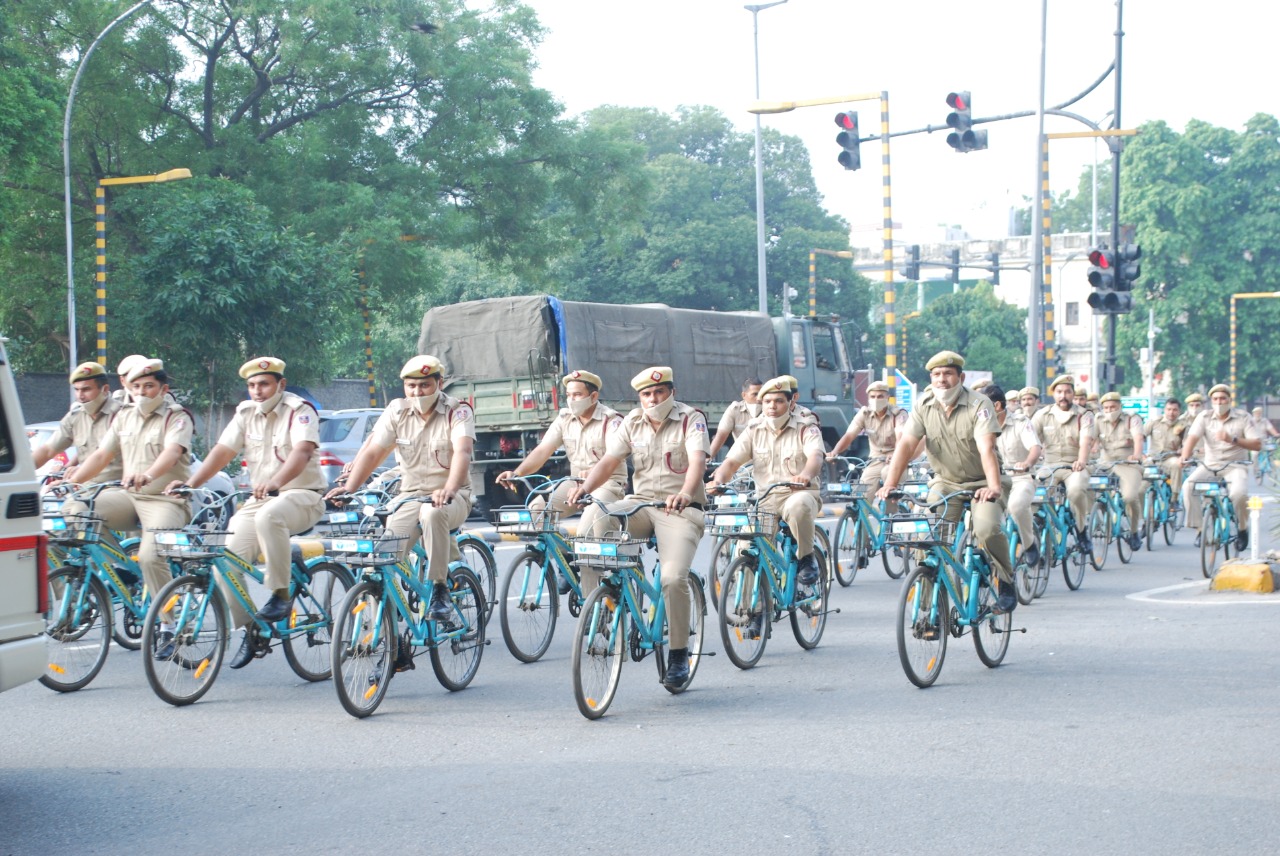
x,y
762,292
100,219
1244,295
66,176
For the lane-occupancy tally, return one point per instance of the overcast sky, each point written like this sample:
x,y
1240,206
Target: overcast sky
x,y
1182,59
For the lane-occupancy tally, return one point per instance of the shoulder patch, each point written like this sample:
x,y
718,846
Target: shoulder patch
x,y
810,431
1086,419
984,413
304,419
698,425
461,413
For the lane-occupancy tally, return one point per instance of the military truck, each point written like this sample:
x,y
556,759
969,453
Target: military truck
x,y
506,356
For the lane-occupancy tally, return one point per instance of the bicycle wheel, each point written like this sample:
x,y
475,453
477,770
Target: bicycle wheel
x,y
1024,581
1151,505
478,556
308,652
697,631
199,630
126,625
922,629
991,633
721,559
455,657
809,612
365,648
529,606
78,629
1173,521
1100,534
851,546
1123,548
1208,540
745,612
1074,564
1044,567
599,651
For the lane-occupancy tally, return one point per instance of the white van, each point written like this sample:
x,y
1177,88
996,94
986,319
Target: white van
x,y
23,588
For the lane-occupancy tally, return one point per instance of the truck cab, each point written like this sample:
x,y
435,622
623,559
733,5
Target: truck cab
x,y
812,350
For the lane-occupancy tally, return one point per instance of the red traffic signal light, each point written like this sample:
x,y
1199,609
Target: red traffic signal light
x,y
964,139
851,157
1100,258
958,100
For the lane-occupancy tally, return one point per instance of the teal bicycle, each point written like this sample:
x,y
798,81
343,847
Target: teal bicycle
x,y
384,617
1218,525
626,615
184,636
1056,525
1264,468
1031,580
861,532
762,582
1158,506
530,599
1108,521
950,593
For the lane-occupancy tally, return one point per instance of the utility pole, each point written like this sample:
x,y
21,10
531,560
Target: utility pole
x,y
1115,143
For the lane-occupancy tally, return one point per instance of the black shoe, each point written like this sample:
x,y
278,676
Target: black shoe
x,y
166,645
1242,541
1197,544
755,627
276,609
1031,555
248,649
441,608
563,585
1006,598
1135,541
404,655
1086,543
807,571
677,667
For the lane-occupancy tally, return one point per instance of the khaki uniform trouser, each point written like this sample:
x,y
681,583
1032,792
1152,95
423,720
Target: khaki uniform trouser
x,y
1172,467
264,526
873,473
589,578
799,510
435,525
122,510
987,519
1132,488
1237,488
1022,491
678,537
1078,494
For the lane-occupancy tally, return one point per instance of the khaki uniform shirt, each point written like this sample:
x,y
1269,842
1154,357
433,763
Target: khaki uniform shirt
x,y
85,432
584,445
424,448
1165,436
268,440
804,414
1238,424
736,417
1016,441
1062,438
1117,437
1186,420
778,456
952,441
881,429
661,457
137,440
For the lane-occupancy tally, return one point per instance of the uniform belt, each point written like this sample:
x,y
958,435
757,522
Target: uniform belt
x,y
697,505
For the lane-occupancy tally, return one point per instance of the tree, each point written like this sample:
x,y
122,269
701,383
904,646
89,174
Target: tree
x,y
1073,212
989,333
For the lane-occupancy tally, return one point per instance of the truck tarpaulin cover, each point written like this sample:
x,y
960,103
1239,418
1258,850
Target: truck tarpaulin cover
x,y
711,352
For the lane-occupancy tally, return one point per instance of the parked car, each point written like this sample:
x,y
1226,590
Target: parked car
x,y
23,567
342,433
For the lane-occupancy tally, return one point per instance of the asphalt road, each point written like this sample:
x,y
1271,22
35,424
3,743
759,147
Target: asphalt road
x,y
1122,721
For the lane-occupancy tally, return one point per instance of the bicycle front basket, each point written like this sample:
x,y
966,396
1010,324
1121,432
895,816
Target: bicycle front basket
x,y
618,551
520,520
848,491
741,523
1210,488
190,543
374,549
919,530
73,529
1152,473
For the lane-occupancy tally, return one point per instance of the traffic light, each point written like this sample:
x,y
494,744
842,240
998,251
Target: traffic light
x,y
994,259
963,138
912,270
1128,267
955,269
850,158
1110,295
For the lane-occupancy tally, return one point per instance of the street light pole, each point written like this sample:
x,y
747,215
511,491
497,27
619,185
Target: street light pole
x,y
762,287
66,176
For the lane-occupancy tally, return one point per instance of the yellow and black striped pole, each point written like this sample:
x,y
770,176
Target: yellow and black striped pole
x,y
368,333
1243,295
890,326
100,262
1046,232
813,283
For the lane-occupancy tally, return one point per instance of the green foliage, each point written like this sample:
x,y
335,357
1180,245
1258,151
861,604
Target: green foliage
x,y
990,333
1202,209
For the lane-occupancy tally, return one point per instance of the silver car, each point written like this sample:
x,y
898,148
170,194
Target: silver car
x,y
342,433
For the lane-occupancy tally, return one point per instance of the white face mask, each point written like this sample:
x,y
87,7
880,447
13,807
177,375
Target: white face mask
x,y
659,411
579,406
754,409
1222,409
265,407
1063,416
948,396
1114,416
424,403
879,405
149,405
92,407
777,423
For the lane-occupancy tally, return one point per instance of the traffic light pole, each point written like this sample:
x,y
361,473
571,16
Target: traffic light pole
x,y
1110,361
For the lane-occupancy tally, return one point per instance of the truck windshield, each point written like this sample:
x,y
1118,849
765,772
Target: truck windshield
x,y
826,352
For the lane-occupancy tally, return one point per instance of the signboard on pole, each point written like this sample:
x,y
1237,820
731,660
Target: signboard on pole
x,y
906,391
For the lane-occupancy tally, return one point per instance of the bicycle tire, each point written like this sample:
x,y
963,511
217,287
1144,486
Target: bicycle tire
x,y
919,639
308,652
1208,540
77,645
851,540
1151,505
737,608
697,632
455,658
991,634
1173,521
1023,579
201,633
529,606
1100,534
478,556
1048,548
721,558
126,628
1123,549
362,667
597,663
809,615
